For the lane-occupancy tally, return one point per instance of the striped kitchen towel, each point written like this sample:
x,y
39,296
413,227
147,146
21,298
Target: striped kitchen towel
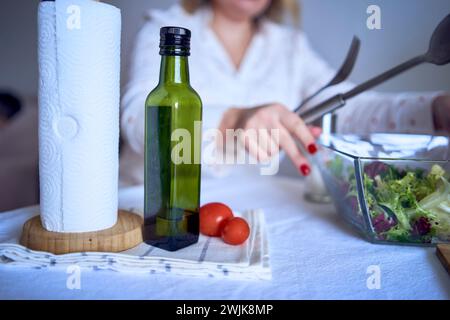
x,y
210,257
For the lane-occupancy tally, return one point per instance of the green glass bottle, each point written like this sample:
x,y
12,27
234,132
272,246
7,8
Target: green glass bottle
x,y
173,113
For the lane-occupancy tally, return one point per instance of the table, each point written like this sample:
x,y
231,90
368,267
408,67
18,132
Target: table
x,y
314,255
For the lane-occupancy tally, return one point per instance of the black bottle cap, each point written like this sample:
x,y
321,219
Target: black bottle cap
x,y
175,41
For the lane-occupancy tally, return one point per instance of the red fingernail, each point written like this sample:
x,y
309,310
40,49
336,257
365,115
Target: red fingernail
x,y
305,169
312,148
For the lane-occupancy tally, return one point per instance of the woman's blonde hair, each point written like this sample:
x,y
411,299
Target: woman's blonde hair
x,y
276,11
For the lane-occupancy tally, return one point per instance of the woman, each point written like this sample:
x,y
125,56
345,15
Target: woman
x,y
251,72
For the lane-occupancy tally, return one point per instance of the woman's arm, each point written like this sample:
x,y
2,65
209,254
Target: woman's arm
x,y
441,114
143,76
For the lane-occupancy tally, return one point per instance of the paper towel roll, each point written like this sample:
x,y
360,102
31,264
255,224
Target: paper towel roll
x,y
79,96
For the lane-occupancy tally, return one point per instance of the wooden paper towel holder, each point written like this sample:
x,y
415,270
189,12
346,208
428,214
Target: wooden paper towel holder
x,y
125,234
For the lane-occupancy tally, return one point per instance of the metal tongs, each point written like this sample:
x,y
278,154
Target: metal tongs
x,y
438,54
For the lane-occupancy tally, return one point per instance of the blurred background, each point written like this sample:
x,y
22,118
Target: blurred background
x,y
330,25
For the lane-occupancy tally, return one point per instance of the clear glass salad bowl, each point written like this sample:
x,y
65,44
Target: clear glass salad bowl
x,y
393,188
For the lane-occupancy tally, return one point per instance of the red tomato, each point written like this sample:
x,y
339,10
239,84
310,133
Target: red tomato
x,y
212,218
235,231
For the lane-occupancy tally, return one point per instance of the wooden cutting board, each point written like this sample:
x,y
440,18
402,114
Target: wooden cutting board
x,y
443,253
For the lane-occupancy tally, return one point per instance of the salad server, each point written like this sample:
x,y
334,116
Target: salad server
x,y
343,72
438,54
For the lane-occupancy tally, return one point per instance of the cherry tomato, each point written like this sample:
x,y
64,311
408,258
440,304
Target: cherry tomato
x,y
212,218
235,231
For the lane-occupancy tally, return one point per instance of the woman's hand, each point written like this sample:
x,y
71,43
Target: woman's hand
x,y
264,119
441,114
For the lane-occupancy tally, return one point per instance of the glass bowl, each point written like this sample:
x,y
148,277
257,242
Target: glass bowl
x,y
393,188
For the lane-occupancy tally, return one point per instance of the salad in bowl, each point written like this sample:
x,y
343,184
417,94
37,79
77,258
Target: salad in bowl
x,y
392,188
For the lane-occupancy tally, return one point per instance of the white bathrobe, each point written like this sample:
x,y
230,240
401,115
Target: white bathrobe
x,y
279,66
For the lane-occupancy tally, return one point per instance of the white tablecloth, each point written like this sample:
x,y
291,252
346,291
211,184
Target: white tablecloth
x,y
314,255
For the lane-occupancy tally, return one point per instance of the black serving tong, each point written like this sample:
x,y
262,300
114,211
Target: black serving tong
x,y
438,54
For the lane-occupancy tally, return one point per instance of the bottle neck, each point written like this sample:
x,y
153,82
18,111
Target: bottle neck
x,y
174,69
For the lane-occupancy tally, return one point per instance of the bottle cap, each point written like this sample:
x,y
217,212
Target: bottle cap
x,y
175,41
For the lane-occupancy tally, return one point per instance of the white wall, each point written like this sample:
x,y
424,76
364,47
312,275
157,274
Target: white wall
x,y
330,24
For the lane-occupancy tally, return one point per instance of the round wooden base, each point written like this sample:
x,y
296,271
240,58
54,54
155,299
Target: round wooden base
x,y
125,234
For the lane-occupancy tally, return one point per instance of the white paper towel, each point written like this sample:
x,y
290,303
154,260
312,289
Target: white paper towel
x,y
79,94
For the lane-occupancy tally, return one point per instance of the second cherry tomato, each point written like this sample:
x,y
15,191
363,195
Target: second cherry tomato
x,y
235,231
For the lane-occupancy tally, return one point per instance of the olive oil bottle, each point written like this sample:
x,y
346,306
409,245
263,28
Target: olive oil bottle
x,y
173,113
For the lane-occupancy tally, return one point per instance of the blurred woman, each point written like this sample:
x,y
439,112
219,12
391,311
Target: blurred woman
x,y
251,71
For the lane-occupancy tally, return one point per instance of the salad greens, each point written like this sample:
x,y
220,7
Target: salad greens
x,y
407,205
